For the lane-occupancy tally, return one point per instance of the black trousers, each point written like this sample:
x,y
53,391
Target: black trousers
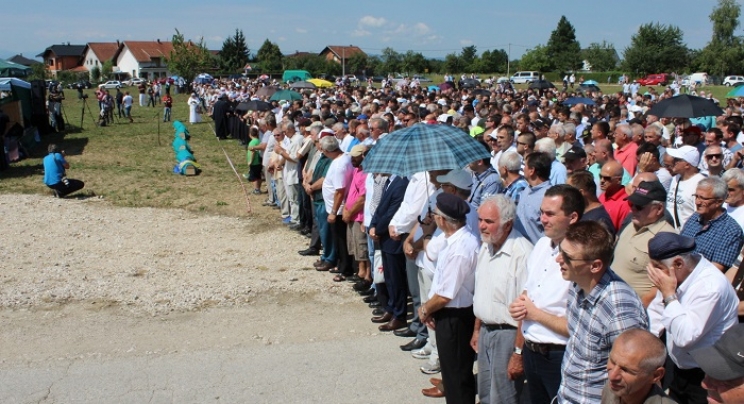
x,y
338,235
63,189
394,268
454,330
686,387
543,374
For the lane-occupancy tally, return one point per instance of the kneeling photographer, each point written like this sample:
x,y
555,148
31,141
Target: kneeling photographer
x,y
55,176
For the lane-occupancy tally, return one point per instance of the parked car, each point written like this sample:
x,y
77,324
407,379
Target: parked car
x,y
502,79
525,77
422,79
659,79
80,83
733,81
111,84
134,82
378,79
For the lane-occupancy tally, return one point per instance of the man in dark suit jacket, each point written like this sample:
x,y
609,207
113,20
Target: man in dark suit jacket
x,y
220,114
393,259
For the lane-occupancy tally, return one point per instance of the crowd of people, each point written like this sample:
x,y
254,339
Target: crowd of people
x,y
594,257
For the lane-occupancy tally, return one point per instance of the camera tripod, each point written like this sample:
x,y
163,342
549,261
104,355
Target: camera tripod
x,y
82,113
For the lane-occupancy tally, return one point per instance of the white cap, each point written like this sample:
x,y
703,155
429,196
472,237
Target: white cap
x,y
444,117
689,154
457,177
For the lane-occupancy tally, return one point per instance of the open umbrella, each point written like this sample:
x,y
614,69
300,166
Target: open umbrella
x,y
423,147
266,91
469,83
264,77
738,91
287,95
253,105
685,106
541,85
481,91
434,88
320,83
447,85
590,83
578,100
303,85
588,87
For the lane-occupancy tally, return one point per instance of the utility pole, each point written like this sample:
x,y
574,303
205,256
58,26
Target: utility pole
x,y
508,62
343,62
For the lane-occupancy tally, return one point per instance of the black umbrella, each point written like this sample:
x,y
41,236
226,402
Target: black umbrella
x,y
685,106
253,105
588,87
469,83
481,91
541,85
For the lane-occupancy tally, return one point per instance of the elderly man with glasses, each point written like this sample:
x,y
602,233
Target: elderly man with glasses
x,y
717,235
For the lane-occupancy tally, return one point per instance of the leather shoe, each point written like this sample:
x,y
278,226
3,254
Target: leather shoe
x,y
416,343
308,252
392,325
325,267
383,318
407,333
432,392
305,231
375,303
362,285
378,311
435,381
369,299
368,292
295,227
318,263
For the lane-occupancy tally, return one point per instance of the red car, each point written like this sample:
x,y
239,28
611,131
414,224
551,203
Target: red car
x,y
660,79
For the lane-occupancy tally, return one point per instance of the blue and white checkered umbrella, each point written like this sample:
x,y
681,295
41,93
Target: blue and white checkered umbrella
x,y
423,147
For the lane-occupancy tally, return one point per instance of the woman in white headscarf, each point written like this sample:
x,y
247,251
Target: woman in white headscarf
x,y
194,106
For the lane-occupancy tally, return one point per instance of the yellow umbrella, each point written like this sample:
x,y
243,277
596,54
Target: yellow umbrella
x,y
320,83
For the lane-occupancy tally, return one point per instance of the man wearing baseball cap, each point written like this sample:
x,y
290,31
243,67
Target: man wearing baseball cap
x,y
699,305
723,364
680,201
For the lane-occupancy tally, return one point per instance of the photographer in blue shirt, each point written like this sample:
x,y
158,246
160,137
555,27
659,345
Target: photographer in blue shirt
x,y
54,173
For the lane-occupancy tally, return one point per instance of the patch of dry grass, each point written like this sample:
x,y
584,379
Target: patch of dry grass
x,y
127,165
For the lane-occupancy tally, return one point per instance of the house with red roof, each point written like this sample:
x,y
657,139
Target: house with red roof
x,y
340,53
143,59
96,54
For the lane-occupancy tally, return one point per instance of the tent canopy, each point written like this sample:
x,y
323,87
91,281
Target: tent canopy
x,y
7,83
10,69
13,89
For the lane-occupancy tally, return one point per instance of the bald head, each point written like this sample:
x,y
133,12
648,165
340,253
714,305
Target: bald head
x,y
613,169
638,340
611,176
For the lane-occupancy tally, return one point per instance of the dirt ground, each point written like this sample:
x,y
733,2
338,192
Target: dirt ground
x,y
121,305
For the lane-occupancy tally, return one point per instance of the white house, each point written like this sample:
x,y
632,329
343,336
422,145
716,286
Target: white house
x,y
143,59
96,54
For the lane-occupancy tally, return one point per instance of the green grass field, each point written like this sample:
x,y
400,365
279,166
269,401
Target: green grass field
x,y
129,164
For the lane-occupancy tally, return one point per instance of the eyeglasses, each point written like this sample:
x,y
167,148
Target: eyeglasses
x,y
714,156
568,259
638,207
704,199
607,177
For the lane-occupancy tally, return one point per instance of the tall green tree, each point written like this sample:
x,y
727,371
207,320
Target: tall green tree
x,y
234,53
269,57
357,63
536,59
414,62
492,61
468,57
187,59
656,48
453,64
602,56
724,54
39,72
390,61
563,50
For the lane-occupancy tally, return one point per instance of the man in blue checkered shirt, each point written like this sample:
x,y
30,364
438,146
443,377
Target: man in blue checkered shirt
x,y
601,306
717,235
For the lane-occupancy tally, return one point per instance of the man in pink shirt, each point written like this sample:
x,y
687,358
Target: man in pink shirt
x,y
353,216
626,148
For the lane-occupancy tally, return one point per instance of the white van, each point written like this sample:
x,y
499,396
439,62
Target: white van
x,y
525,77
699,78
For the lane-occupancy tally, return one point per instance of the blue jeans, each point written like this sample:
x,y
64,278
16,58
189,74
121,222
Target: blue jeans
x,y
543,374
166,114
326,239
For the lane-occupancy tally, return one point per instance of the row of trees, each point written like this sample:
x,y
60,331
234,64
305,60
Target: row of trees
x,y
654,48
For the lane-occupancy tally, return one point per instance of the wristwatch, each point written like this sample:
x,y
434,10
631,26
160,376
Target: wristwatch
x,y
517,351
669,299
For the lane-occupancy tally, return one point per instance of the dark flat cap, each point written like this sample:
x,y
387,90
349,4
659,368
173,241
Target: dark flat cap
x,y
452,206
667,245
575,153
646,192
723,360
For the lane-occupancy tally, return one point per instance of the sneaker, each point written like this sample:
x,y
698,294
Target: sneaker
x,y
287,220
422,353
256,191
431,369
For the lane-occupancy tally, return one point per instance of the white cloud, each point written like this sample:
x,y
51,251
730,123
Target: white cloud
x,y
466,42
370,21
301,30
421,29
281,39
360,32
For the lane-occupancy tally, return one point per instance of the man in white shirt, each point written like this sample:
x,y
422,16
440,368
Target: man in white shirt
x,y
541,309
450,304
267,126
735,200
680,199
290,174
699,306
499,280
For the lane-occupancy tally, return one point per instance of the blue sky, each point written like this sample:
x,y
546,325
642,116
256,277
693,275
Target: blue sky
x,y
434,28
